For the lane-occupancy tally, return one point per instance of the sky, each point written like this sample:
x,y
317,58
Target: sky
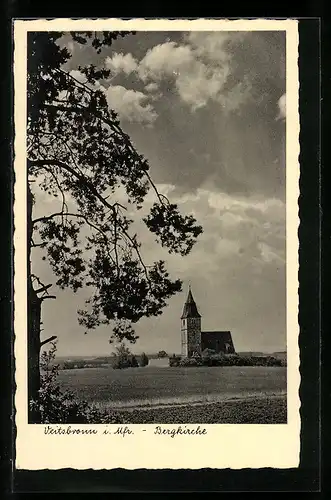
x,y
207,109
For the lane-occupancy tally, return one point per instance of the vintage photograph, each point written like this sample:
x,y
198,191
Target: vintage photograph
x,y
156,227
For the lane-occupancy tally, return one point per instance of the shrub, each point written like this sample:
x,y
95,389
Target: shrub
x,y
134,362
208,352
210,358
125,362
162,354
124,359
60,407
120,364
144,360
174,360
188,362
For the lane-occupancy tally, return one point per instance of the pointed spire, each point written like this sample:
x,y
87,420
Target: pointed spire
x,y
190,308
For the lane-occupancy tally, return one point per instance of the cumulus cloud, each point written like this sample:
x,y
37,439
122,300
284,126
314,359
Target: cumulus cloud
x,y
282,108
152,87
245,231
130,105
238,95
120,63
196,83
198,86
210,45
269,255
199,68
165,60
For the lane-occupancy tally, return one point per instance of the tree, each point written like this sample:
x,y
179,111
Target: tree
x,y
162,354
134,362
144,359
78,153
124,358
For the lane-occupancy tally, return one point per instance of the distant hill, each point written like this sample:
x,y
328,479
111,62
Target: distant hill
x,y
109,359
277,354
72,358
280,354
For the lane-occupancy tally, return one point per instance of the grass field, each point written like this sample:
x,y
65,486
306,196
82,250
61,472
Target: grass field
x,y
255,410
162,386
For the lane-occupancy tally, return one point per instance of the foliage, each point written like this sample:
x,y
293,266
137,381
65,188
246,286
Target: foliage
x,y
144,360
56,406
190,362
208,352
162,354
70,365
174,360
124,358
78,153
220,359
134,362
84,363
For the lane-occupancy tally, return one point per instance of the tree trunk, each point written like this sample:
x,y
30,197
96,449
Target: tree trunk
x,y
34,320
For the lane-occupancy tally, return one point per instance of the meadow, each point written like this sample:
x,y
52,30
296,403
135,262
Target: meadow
x,y
160,387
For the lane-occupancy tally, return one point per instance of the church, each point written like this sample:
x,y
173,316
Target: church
x,y
193,340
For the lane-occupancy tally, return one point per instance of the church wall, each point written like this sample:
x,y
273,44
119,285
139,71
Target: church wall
x,y
193,336
218,341
184,339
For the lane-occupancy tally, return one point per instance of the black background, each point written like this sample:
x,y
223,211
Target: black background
x,y
307,477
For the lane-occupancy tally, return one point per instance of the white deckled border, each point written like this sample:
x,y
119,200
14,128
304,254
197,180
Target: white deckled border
x,y
224,446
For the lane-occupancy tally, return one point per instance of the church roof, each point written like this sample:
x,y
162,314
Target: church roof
x,y
218,333
190,308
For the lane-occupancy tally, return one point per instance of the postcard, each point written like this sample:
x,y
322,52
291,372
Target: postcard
x,y
156,243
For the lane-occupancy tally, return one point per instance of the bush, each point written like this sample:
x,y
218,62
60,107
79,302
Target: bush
x,y
143,360
190,362
207,353
174,360
124,359
210,358
162,354
129,362
60,407
272,361
134,362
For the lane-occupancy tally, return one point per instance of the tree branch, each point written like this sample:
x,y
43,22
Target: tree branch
x,y
64,203
118,130
48,297
80,177
53,337
44,288
35,245
69,214
75,79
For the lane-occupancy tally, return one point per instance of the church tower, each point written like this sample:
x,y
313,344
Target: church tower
x,y
190,327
